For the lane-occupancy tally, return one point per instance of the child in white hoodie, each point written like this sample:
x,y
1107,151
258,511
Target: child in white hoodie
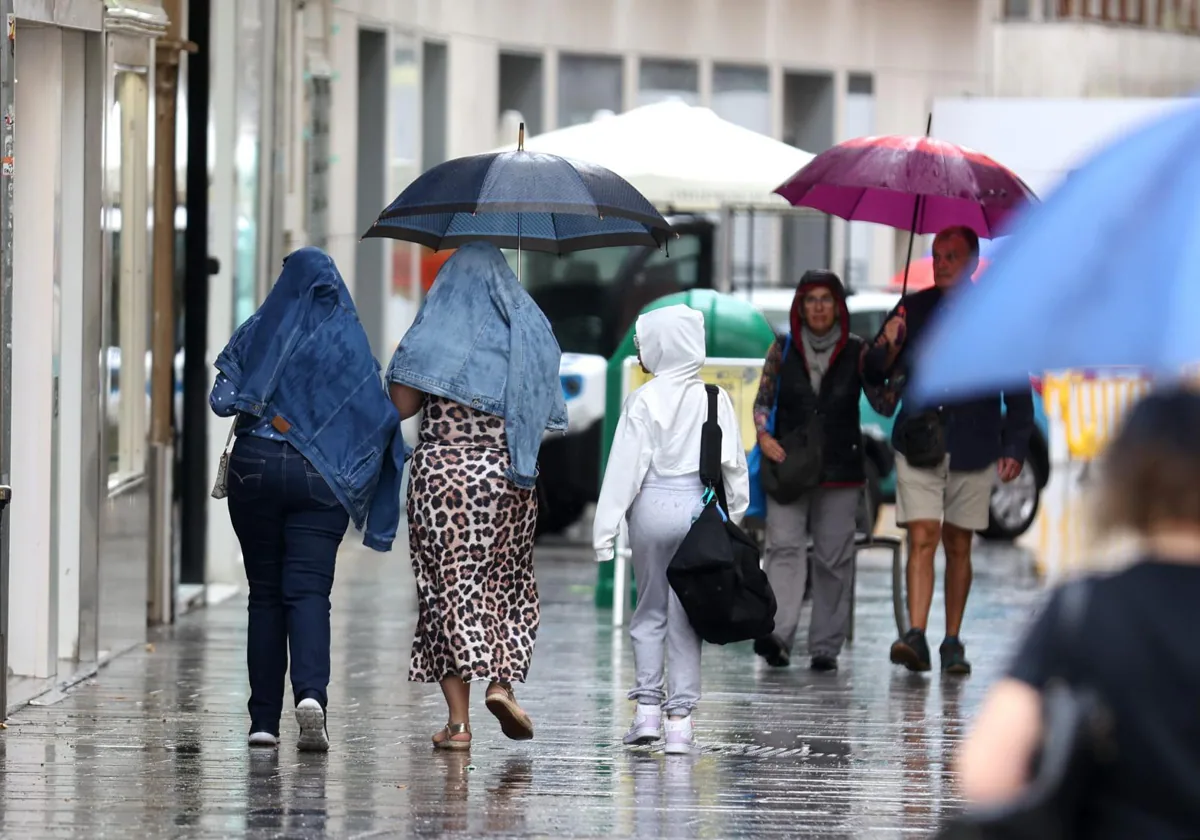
x,y
653,475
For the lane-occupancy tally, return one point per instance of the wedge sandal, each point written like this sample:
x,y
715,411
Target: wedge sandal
x,y
514,723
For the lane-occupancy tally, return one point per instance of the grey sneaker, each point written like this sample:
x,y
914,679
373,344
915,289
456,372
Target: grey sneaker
x,y
681,737
646,727
314,737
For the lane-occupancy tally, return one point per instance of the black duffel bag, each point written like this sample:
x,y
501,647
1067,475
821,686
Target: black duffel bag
x,y
715,571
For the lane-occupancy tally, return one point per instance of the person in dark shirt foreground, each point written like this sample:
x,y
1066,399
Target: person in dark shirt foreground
x,y
1130,637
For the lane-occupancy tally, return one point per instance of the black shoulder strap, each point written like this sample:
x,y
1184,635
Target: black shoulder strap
x,y
710,448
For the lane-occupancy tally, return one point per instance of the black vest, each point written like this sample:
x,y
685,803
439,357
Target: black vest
x,y
842,458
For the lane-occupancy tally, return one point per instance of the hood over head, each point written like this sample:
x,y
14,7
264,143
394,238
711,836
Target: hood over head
x,y
476,272
820,278
671,341
307,270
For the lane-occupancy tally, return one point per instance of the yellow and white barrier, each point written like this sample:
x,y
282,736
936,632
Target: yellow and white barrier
x,y
1084,411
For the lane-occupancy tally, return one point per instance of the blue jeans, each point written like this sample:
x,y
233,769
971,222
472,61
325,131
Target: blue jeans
x,y
289,525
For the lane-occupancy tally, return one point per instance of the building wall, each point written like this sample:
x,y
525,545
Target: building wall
x,y
1105,61
913,51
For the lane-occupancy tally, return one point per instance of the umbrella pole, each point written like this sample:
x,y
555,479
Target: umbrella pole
x,y
912,232
912,235
520,148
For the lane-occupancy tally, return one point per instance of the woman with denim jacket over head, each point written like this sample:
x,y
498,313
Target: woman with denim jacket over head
x,y
482,362
317,445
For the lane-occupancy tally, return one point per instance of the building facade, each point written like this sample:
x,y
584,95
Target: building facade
x,y
75,236
320,113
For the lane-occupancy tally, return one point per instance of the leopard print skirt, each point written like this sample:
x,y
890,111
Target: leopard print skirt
x,y
470,533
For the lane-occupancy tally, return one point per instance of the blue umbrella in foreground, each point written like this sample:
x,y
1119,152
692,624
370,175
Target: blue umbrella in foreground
x,y
1105,273
528,200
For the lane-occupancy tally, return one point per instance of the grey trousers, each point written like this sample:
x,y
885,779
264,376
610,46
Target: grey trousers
x,y
658,521
829,516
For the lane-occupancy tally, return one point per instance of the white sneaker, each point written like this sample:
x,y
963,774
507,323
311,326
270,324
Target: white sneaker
x,y
263,739
681,737
646,727
314,737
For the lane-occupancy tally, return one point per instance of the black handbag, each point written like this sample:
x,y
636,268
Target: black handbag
x,y
922,439
1077,740
715,572
800,471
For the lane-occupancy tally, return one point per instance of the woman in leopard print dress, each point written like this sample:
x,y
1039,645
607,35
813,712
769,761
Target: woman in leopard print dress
x,y
482,363
470,533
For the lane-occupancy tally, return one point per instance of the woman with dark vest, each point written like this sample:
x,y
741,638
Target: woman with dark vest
x,y
810,391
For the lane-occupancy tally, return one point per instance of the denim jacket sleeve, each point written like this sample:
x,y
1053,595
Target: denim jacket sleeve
x,y
231,359
520,391
277,347
383,518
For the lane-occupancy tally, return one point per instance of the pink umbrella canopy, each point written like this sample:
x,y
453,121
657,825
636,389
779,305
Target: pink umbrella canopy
x,y
917,184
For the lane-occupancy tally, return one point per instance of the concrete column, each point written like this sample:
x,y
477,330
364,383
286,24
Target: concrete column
x,y
32,618
630,69
472,95
550,90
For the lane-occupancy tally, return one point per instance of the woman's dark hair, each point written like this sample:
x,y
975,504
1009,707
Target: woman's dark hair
x,y
1151,471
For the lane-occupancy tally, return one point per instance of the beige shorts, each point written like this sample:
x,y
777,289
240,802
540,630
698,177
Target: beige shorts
x,y
959,498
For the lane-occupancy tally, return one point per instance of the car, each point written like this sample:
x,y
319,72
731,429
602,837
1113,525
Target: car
x,y
1014,506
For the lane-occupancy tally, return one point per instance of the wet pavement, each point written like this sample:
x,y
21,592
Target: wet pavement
x,y
154,746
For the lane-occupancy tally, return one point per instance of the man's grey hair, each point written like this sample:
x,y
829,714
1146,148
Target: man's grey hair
x,y
968,234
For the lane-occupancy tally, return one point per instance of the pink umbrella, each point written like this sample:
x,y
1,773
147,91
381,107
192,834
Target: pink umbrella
x,y
917,184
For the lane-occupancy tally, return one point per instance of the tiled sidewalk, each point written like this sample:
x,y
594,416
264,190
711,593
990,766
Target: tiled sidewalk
x,y
154,746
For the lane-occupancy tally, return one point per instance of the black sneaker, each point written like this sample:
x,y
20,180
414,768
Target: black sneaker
x,y
772,650
912,651
954,659
821,662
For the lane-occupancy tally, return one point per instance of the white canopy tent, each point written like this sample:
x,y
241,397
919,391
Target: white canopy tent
x,y
680,156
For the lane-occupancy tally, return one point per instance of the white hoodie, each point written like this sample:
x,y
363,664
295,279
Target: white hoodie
x,y
660,424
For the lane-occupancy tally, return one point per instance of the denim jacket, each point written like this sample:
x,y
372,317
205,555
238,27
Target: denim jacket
x,y
480,340
303,360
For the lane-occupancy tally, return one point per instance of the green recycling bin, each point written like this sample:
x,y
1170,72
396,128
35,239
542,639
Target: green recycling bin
x,y
733,328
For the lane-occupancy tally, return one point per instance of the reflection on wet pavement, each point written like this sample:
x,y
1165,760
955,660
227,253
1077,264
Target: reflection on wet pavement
x,y
154,747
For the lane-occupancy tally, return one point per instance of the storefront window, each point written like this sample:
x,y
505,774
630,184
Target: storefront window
x,y
247,154
662,80
404,160
587,85
317,160
742,95
126,227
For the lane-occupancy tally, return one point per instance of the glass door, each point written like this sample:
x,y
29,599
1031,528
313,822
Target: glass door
x,y
128,167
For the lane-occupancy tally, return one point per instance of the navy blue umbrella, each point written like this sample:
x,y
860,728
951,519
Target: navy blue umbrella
x,y
529,200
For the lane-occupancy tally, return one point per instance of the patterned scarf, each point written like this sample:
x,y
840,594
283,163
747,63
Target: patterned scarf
x,y
818,351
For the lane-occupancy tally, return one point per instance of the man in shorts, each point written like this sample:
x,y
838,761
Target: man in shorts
x,y
947,459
